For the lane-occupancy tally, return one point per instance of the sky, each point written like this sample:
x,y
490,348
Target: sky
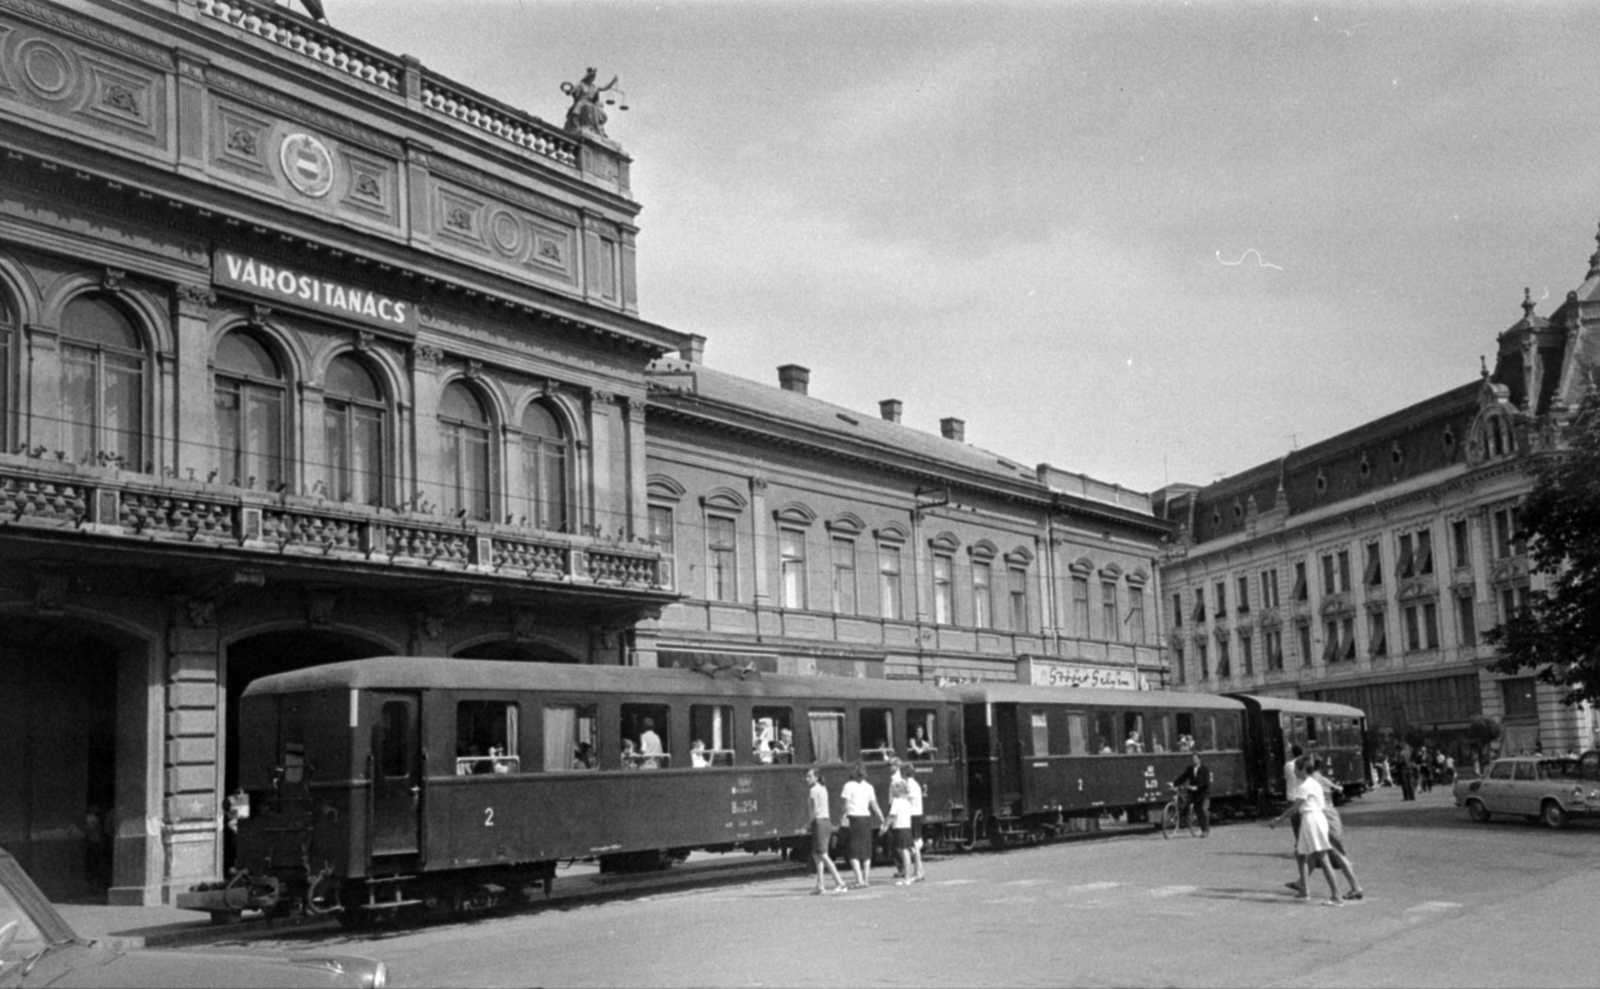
x,y
1151,242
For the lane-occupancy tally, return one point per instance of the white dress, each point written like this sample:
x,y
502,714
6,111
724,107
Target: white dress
x,y
1313,822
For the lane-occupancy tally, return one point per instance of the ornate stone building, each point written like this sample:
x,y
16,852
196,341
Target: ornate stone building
x,y
306,353
1365,569
806,537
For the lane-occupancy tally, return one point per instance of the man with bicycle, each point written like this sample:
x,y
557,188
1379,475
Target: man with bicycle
x,y
1195,782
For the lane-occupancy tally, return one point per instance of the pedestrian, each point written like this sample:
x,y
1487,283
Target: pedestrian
x,y
1425,770
1312,847
860,807
898,825
1404,770
1291,783
1338,857
915,794
820,826
1196,778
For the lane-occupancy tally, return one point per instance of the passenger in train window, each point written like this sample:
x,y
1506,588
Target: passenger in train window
x,y
630,755
762,742
783,748
583,756
698,758
1133,746
650,751
919,745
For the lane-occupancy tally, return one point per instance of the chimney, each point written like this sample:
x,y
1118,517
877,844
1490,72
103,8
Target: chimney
x,y
889,409
694,352
794,378
953,429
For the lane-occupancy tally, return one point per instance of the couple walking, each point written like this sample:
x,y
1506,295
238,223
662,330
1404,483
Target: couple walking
x,y
1319,834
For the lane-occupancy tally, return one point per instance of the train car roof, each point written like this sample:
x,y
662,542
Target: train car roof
x,y
435,673
1294,705
1018,693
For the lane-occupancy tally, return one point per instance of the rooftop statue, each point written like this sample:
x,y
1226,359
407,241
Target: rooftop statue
x,y
586,113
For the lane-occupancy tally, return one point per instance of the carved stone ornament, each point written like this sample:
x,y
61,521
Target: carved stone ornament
x,y
113,278
524,628
121,98
243,141
364,340
426,627
307,164
201,612
475,370
196,296
427,357
601,397
259,314
319,609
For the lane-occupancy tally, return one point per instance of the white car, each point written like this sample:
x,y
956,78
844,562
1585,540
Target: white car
x,y
1552,790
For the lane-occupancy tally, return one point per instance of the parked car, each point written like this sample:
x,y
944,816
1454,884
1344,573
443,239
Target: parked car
x,y
39,948
1552,790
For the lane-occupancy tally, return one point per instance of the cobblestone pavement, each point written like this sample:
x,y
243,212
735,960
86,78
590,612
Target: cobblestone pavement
x,y
1449,903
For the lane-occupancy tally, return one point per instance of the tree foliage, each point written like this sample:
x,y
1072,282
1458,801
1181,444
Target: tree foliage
x,y
1558,634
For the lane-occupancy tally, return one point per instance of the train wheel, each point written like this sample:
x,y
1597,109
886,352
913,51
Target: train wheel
x,y
974,832
1169,821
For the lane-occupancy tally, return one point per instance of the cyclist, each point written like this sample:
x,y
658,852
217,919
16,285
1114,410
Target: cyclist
x,y
1195,783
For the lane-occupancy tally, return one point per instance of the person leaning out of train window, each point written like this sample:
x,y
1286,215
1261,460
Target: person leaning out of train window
x,y
762,740
698,757
919,745
1133,746
650,751
630,755
1196,780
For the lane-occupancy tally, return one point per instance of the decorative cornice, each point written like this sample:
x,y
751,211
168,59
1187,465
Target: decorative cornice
x,y
292,108
55,17
446,168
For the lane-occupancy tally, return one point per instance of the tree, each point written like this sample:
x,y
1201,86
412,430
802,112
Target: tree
x,y
1558,633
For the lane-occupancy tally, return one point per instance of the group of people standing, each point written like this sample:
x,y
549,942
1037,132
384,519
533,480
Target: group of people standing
x,y
861,810
1414,769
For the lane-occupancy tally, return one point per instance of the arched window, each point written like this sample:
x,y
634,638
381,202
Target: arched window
x,y
250,412
464,430
544,468
102,385
352,426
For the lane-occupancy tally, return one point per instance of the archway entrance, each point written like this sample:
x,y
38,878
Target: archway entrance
x,y
263,655
58,751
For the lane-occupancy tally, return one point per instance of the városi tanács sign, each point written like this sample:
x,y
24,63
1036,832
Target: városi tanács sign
x,y
297,288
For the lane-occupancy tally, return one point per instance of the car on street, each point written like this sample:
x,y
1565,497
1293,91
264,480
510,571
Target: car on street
x,y
39,948
1540,788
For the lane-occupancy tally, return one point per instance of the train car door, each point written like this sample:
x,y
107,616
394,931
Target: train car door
x,y
396,772
1008,766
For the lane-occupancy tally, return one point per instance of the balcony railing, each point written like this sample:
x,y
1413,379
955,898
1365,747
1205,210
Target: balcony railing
x,y
296,35
40,494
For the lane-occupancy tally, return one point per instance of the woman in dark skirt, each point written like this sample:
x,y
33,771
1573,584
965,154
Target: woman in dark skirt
x,y
860,809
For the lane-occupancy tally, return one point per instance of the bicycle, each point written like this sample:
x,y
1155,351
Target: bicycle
x,y
1177,814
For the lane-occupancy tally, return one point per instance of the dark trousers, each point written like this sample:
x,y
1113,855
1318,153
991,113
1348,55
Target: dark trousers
x,y
1200,807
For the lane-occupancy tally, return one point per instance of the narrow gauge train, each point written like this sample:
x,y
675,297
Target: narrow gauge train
x,y
1038,759
381,784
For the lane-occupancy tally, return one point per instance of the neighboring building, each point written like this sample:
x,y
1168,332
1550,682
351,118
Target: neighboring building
x,y
1365,569
306,353
807,538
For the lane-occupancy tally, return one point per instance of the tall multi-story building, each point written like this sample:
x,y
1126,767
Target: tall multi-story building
x,y
1366,568
306,353
806,537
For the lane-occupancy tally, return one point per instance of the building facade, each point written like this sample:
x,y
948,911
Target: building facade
x,y
306,354
809,538
1366,568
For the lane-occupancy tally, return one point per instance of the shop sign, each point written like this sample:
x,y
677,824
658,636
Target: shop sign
x,y
1044,673
290,287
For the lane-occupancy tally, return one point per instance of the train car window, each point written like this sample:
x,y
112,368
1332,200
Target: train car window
x,y
486,738
1297,731
827,735
772,734
646,735
710,735
1105,733
877,734
1160,733
1311,732
1133,740
1041,733
1228,732
571,738
1208,733
1077,733
1184,722
920,740
394,747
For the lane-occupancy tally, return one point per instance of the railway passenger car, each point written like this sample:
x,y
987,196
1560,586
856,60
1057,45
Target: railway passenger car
x,y
385,783
1037,757
1333,731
